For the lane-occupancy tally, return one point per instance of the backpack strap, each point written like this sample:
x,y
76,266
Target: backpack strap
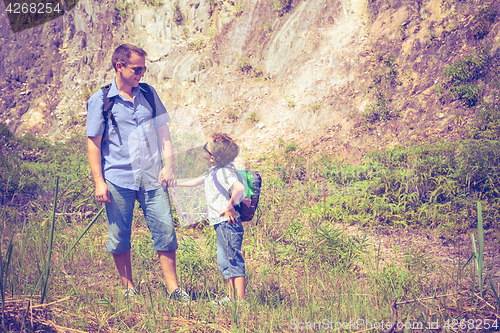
x,y
221,189
149,97
108,102
107,106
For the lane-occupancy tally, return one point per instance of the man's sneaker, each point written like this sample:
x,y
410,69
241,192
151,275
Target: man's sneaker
x,y
129,294
180,295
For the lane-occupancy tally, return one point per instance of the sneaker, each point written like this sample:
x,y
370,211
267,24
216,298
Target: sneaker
x,y
225,301
180,295
129,294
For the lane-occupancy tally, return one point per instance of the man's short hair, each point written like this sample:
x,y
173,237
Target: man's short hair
x,y
224,149
123,53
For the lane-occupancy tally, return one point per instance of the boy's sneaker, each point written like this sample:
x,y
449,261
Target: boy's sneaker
x,y
225,301
129,294
180,295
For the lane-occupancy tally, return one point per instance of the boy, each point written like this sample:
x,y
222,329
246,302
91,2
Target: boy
x,y
221,151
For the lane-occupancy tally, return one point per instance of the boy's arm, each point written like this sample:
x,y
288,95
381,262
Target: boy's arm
x,y
237,191
189,182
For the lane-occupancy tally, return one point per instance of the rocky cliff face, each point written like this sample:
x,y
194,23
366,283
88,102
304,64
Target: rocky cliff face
x,y
341,76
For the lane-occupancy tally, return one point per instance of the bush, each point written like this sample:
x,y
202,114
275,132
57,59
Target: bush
x,y
282,6
122,9
468,69
462,76
30,165
482,21
244,65
178,18
197,45
292,146
153,2
469,93
384,79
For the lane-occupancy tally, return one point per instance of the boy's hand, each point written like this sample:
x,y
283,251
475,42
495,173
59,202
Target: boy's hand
x,y
230,215
167,177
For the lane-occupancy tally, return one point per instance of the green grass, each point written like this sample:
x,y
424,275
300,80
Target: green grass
x,y
303,267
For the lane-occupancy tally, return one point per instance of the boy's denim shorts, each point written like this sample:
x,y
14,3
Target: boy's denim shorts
x,y
120,211
229,241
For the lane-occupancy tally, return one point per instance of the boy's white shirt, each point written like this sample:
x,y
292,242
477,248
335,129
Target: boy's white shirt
x,y
216,202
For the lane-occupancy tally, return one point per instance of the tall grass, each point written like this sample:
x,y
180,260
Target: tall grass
x,y
304,266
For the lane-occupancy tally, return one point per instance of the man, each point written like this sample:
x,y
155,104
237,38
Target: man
x,y
126,165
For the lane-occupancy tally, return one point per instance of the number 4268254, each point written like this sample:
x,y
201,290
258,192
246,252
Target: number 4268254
x,y
33,8
478,324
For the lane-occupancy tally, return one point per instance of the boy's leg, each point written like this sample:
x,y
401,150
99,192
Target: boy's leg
x,y
119,215
157,212
229,259
237,283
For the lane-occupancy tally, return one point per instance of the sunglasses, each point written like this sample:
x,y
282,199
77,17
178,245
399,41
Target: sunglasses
x,y
137,70
206,149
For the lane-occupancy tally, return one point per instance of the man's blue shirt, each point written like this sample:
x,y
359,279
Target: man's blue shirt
x,y
129,152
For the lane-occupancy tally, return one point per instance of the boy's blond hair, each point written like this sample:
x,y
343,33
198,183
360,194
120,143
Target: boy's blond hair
x,y
224,149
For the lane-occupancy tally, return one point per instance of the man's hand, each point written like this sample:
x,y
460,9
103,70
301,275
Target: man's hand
x,y
230,215
167,177
94,155
102,192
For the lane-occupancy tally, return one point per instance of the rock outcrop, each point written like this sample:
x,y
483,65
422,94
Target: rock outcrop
x,y
309,73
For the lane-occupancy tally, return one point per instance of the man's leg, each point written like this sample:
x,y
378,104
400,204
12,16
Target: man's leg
x,y
158,215
168,267
124,266
119,213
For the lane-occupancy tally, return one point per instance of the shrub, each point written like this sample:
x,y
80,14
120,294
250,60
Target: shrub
x,y
384,79
122,9
482,21
282,6
468,69
154,2
197,45
469,93
244,65
379,110
314,107
462,78
178,18
488,118
292,146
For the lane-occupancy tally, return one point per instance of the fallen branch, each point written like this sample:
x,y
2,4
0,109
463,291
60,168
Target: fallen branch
x,y
426,298
49,304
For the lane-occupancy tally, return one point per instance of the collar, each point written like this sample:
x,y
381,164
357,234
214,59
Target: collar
x,y
113,91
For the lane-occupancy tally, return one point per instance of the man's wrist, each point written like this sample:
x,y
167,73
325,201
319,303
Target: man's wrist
x,y
168,166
